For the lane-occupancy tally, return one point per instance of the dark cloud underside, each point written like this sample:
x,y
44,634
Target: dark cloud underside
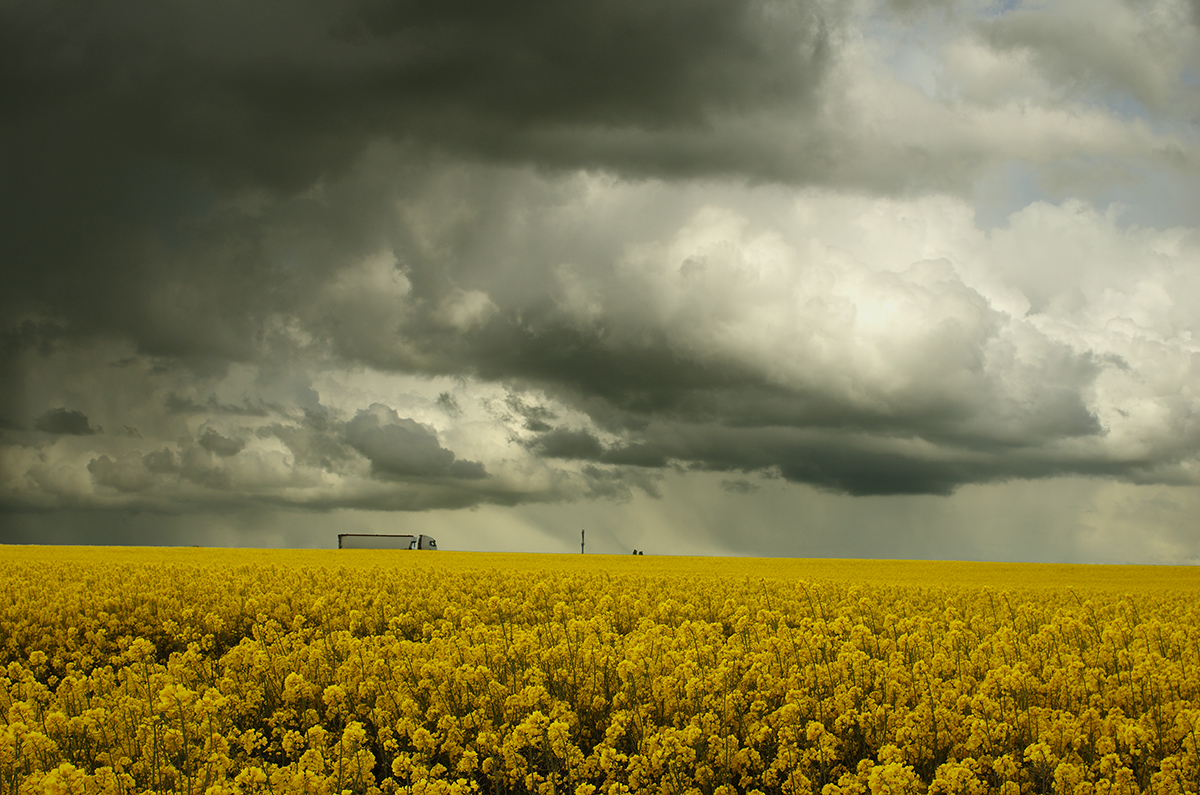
x,y
397,446
62,421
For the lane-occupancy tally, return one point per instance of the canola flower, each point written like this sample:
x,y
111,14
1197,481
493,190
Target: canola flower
x,y
248,671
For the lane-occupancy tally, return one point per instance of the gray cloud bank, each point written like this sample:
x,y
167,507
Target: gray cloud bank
x,y
431,255
400,447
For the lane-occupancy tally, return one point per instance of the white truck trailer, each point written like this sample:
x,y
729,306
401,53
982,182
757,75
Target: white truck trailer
x,y
384,541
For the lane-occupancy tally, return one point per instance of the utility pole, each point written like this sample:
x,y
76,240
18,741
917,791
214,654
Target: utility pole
x,y
581,533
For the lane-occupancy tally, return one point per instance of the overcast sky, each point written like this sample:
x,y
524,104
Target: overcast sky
x,y
907,278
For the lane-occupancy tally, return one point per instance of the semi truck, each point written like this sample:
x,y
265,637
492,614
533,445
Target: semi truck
x,y
385,541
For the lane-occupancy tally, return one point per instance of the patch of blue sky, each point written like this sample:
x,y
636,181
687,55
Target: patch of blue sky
x,y
1128,106
1154,197
909,47
1004,191
998,8
1123,104
1159,197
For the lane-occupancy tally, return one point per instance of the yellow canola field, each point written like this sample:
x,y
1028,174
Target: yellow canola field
x,y
224,671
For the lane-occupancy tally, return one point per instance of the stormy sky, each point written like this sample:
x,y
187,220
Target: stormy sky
x,y
880,278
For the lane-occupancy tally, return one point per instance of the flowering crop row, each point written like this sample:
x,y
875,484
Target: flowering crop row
x,y
222,672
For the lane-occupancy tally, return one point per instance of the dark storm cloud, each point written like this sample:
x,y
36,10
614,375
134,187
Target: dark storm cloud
x,y
220,445
130,125
161,461
131,475
919,441
237,200
195,97
276,92
537,418
397,446
63,421
202,467
740,486
844,462
314,441
179,404
568,443
449,404
535,343
627,379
